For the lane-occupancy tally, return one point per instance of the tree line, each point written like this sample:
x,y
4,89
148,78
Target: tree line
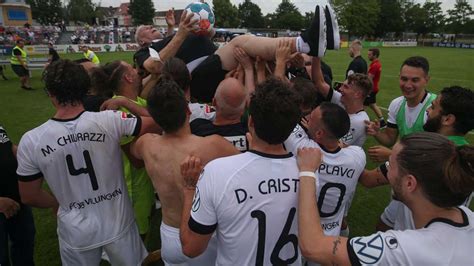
x,y
369,18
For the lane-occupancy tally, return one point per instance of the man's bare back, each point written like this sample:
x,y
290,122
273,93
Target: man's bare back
x,y
163,156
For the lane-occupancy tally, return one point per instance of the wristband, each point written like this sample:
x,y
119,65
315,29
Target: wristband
x,y
307,173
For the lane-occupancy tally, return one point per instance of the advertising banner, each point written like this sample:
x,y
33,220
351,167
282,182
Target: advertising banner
x,y
6,50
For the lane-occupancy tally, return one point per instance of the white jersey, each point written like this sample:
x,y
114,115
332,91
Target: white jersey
x,y
251,199
338,175
440,242
411,113
357,132
80,160
398,216
199,110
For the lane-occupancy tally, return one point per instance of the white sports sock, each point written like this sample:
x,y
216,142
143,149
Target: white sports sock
x,y
302,46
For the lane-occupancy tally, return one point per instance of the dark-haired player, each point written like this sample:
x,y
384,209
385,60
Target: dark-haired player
x,y
77,153
407,113
248,200
163,154
340,168
427,173
450,115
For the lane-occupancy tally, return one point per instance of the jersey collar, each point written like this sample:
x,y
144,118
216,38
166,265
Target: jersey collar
x,y
273,156
465,220
69,119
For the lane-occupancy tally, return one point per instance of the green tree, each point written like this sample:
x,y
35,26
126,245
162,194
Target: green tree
x,y
389,18
287,16
308,17
358,18
46,12
250,15
81,11
269,19
416,18
436,19
460,17
227,15
142,11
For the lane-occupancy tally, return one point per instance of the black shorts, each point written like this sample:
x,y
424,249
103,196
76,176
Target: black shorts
x,y
206,77
20,70
370,99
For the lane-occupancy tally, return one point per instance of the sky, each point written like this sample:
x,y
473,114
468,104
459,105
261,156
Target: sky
x,y
267,6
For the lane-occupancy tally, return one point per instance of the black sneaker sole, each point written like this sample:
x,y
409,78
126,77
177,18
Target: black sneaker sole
x,y
315,36
332,29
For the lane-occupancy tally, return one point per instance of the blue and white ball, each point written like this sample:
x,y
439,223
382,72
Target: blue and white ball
x,y
203,13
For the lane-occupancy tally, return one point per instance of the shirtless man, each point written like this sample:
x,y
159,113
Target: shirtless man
x,y
163,155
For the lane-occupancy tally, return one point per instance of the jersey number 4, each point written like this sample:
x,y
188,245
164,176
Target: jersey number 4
x,y
89,169
285,238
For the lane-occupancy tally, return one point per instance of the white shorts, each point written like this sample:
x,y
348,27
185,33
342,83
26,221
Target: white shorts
x,y
127,250
172,252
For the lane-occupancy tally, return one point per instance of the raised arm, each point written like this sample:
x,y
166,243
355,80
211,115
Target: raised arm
x,y
282,57
375,177
315,246
318,78
386,137
246,62
193,244
260,68
170,21
123,102
154,63
149,83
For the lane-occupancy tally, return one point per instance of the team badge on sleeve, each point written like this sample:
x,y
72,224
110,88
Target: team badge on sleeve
x,y
369,249
196,201
391,241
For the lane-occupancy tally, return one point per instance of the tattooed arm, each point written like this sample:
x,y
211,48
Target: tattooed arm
x,y
315,246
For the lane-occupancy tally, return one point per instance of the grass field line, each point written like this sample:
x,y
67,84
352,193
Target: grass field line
x,y
386,109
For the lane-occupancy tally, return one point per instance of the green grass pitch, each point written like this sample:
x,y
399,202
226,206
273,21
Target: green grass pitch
x,y
23,110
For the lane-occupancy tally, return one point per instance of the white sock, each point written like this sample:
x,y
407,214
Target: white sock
x,y
302,46
345,232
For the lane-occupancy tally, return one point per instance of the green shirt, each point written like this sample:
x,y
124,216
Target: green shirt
x,y
458,140
140,188
403,128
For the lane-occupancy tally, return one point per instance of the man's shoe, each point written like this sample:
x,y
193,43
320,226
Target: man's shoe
x,y
332,29
315,36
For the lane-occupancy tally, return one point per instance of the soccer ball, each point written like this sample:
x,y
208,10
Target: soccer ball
x,y
205,16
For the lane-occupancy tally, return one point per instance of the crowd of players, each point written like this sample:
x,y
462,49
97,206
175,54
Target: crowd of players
x,y
263,174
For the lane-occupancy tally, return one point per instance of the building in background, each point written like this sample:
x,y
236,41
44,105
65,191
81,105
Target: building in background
x,y
14,13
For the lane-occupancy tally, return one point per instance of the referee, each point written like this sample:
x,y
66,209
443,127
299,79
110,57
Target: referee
x,y
19,64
